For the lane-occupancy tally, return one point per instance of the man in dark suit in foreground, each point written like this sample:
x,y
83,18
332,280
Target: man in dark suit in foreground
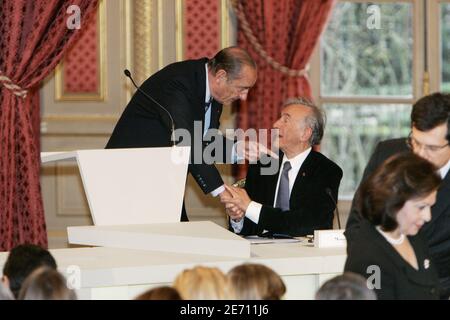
x,y
300,197
193,92
429,138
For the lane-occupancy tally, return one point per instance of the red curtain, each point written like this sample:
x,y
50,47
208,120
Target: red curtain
x,y
34,36
287,32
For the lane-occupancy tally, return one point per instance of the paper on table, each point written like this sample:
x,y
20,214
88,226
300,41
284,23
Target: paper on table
x,y
264,240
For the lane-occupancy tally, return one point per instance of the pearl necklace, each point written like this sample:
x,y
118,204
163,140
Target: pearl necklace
x,y
391,240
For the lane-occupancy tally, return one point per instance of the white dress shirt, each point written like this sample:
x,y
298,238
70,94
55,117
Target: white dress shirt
x,y
207,99
234,155
444,170
207,123
254,209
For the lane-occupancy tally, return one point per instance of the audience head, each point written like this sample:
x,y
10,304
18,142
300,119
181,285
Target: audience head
x,y
46,284
160,293
255,282
201,283
348,286
430,128
232,72
300,126
400,193
21,262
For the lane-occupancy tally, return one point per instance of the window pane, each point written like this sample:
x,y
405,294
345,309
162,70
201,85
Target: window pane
x,y
367,49
353,131
445,47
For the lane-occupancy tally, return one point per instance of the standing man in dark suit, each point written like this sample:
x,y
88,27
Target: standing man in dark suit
x,y
193,92
300,197
429,139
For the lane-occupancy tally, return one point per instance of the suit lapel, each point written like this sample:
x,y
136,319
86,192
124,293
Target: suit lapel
x,y
443,198
272,183
216,111
199,107
267,184
305,171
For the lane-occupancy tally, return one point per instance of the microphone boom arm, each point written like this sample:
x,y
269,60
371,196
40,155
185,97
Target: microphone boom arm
x,y
172,131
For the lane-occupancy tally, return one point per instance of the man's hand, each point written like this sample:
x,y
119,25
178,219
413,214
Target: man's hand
x,y
232,210
239,199
252,150
225,194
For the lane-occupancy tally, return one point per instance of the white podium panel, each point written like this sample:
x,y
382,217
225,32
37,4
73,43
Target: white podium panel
x,y
114,273
131,186
203,237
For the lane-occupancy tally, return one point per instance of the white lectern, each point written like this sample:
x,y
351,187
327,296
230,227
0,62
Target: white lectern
x,y
131,186
135,198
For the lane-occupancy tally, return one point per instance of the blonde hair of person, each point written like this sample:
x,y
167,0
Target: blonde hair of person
x,y
255,282
46,284
201,283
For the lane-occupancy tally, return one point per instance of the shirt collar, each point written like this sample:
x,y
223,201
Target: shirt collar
x,y
208,92
444,170
297,161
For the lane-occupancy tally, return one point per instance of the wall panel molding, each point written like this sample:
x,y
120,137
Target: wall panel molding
x,y
71,84
71,199
193,21
142,44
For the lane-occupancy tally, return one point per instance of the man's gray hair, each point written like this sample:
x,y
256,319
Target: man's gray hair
x,y
231,60
316,120
348,286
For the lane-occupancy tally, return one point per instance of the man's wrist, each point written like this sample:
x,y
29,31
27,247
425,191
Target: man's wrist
x,y
218,191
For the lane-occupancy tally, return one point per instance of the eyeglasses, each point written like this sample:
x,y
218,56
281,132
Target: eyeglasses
x,y
413,144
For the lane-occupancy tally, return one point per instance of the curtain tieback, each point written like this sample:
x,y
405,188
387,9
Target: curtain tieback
x,y
237,5
8,84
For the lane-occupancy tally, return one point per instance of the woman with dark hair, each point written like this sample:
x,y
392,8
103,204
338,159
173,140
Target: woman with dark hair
x,y
395,202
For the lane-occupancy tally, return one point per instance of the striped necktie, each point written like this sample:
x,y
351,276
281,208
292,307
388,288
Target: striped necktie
x,y
208,104
283,189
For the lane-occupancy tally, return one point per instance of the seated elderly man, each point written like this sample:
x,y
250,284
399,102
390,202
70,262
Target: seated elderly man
x,y
300,196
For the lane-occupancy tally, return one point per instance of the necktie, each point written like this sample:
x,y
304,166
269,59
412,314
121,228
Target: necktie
x,y
283,189
207,104
207,123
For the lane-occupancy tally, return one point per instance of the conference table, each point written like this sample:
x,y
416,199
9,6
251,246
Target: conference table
x,y
118,273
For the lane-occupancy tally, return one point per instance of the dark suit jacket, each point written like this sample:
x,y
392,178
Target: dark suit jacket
x,y
180,88
398,279
436,232
311,208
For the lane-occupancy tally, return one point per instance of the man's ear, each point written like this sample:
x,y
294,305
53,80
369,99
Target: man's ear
x,y
5,281
307,133
221,75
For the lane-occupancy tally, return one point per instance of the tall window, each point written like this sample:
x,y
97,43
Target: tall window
x,y
371,62
445,46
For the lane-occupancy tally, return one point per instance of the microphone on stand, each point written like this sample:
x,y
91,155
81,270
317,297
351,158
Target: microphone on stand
x,y
330,194
172,131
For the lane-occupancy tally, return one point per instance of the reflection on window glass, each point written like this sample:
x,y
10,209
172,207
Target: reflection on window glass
x,y
367,49
352,132
445,47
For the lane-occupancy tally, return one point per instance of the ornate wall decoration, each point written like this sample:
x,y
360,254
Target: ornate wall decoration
x,y
202,28
81,76
142,46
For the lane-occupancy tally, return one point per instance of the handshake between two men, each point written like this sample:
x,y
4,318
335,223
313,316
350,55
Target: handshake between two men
x,y
236,199
292,192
